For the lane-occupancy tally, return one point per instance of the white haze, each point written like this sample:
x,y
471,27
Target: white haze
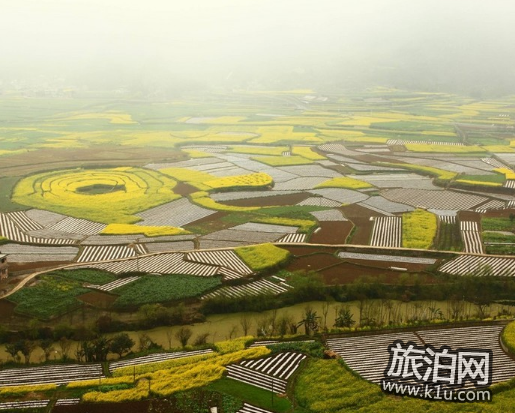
x,y
432,44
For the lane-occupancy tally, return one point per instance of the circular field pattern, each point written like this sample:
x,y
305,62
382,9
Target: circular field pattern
x,y
111,195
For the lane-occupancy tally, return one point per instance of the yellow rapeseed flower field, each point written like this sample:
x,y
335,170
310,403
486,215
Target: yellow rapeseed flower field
x,y
149,231
344,182
255,180
418,229
84,193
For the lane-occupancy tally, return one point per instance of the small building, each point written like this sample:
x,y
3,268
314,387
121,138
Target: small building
x,y
4,266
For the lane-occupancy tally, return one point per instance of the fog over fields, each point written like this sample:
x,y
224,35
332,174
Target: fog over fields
x,y
462,46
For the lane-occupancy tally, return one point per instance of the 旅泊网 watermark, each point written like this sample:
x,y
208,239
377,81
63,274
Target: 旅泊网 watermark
x,y
461,375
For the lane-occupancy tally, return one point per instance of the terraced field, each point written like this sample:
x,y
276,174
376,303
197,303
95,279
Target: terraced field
x,y
356,351
470,264
271,373
387,232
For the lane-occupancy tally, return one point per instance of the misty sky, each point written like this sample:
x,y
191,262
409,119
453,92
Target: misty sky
x,y
430,42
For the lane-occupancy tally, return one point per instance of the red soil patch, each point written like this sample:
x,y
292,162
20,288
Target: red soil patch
x,y
313,262
347,273
300,250
277,200
332,232
6,309
500,213
360,217
27,267
98,299
469,216
387,264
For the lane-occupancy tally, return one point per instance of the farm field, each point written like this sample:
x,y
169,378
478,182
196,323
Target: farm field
x,y
168,212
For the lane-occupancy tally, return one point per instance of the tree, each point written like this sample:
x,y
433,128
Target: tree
x,y
245,323
47,347
121,343
201,339
65,345
169,336
183,335
310,321
12,349
26,348
344,317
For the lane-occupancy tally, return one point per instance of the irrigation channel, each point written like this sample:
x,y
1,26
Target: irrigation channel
x,y
224,326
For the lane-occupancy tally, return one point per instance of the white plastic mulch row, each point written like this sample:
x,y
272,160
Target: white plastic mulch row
x,y
309,171
493,162
39,253
155,358
384,205
78,226
402,142
114,284
32,404
344,196
253,288
281,365
258,227
471,237
493,204
231,196
254,378
441,199
293,239
448,219
387,232
483,337
368,355
105,252
248,237
67,402
275,342
56,374
172,263
176,214
9,229
299,184
248,408
329,215
227,258
470,264
393,258
320,201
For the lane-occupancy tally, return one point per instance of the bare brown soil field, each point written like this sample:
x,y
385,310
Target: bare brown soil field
x,y
301,250
27,267
184,189
360,217
332,232
209,224
313,262
347,273
98,299
500,213
6,309
278,200
49,159
386,264
469,216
